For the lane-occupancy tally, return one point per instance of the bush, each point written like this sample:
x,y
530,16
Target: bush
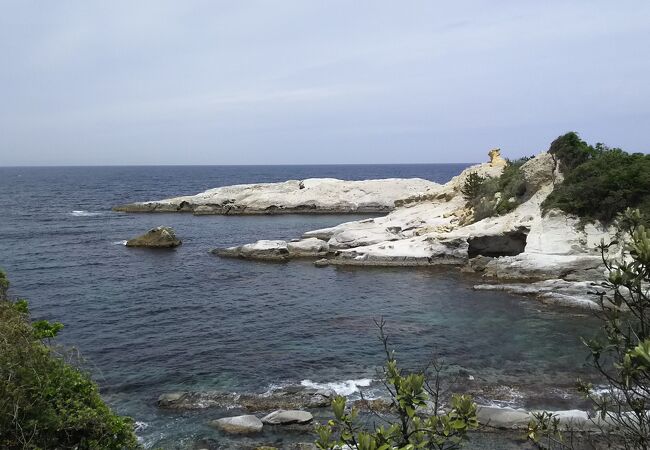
x,y
498,196
46,402
571,151
472,187
599,182
440,429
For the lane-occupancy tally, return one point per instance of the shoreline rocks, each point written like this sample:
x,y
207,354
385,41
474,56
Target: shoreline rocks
x,y
239,424
433,228
159,237
290,417
288,398
310,196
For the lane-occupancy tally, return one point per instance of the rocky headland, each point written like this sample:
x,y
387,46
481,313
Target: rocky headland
x,y
517,246
549,254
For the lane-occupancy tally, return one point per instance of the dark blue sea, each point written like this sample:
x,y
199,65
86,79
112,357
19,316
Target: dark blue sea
x,y
149,322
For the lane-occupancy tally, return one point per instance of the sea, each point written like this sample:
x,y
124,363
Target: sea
x,y
148,322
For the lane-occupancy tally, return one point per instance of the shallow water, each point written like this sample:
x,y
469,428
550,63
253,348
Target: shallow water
x,y
153,321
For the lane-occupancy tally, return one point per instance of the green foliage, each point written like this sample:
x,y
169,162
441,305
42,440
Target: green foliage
x,y
4,285
409,393
472,187
499,196
600,182
46,402
622,355
571,151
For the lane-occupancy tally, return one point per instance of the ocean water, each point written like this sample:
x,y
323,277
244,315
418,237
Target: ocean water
x,y
150,322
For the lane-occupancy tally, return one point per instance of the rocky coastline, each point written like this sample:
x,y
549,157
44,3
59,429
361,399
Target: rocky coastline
x,y
550,255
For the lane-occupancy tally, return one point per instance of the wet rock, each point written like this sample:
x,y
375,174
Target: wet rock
x,y
239,424
290,398
264,250
160,237
283,417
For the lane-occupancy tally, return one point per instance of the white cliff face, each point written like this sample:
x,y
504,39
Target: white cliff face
x,y
429,228
314,195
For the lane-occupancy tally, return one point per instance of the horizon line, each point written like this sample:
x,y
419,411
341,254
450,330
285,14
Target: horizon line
x,y
229,165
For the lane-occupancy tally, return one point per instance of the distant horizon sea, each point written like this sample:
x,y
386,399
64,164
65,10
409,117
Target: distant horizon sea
x,y
149,322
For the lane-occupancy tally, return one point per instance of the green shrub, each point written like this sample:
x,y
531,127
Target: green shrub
x,y
440,428
472,187
571,151
498,196
600,182
46,402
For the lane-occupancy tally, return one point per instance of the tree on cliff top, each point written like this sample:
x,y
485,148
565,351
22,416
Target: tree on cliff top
x,y
46,401
599,182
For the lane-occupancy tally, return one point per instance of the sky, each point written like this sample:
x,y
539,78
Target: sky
x,y
317,82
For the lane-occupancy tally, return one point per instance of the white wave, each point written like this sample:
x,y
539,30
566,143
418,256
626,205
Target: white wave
x,y
119,242
139,426
345,388
81,213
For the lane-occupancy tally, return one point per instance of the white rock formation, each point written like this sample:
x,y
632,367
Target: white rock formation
x,y
314,195
239,424
284,417
430,228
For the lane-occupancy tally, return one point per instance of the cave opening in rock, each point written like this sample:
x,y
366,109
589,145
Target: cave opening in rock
x,y
507,244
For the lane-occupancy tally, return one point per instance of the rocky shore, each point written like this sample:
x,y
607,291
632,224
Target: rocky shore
x,y
294,408
551,255
310,196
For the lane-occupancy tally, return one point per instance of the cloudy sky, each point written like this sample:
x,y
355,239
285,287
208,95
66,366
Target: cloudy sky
x,y
298,81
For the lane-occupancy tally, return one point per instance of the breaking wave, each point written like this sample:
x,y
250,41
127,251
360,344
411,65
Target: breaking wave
x,y
82,213
346,388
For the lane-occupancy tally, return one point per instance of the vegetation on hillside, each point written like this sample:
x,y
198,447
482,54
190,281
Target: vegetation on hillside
x,y
496,196
46,401
599,182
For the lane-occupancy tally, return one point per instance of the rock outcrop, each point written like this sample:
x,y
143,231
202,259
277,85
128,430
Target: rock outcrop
x,y
496,160
159,237
283,417
239,424
433,227
310,196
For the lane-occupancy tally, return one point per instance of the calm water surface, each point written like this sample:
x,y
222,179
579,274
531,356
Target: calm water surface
x,y
150,322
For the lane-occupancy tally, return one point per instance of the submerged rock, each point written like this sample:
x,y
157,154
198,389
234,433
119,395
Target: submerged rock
x,y
239,424
159,237
288,398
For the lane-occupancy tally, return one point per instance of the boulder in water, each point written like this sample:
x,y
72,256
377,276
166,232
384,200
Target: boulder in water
x,y
239,424
159,237
283,417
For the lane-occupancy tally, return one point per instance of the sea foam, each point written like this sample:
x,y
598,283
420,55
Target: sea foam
x,y
82,213
346,387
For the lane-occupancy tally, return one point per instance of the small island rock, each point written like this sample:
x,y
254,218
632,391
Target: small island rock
x,y
159,237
